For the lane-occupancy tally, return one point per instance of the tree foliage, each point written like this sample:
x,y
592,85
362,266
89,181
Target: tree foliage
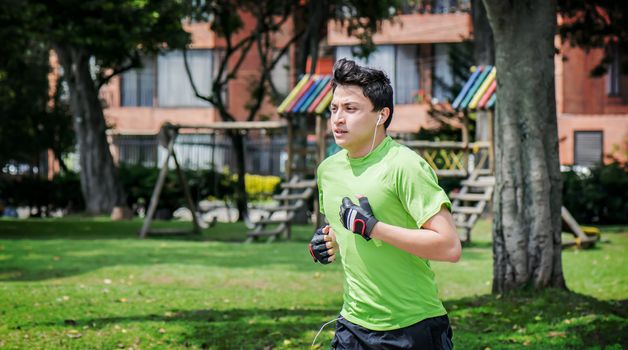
x,y
96,40
599,24
115,34
30,122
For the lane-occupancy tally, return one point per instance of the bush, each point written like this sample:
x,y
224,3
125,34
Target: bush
x,y
62,192
449,183
598,196
259,187
139,183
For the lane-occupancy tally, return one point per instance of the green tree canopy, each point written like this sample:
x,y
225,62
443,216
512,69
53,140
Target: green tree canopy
x,y
599,24
96,40
30,122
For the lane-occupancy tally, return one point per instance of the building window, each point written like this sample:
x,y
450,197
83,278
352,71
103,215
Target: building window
x,y
588,148
137,85
399,62
442,79
434,6
174,88
407,74
281,75
612,77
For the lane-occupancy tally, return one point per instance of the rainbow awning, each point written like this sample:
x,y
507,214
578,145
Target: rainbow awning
x,y
312,94
479,92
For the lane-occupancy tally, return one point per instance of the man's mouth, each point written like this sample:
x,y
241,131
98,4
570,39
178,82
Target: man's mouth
x,y
338,132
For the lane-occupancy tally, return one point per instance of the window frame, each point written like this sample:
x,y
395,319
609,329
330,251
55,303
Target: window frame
x,y
138,97
575,145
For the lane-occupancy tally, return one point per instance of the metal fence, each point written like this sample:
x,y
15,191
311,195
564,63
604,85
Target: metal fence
x,y
264,155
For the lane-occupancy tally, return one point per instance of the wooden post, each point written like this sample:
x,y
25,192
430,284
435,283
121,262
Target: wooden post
x,y
154,199
491,147
290,160
465,141
188,195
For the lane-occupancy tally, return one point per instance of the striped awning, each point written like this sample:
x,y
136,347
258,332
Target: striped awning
x,y
311,95
479,92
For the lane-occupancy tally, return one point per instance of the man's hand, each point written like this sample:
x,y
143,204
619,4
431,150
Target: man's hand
x,y
322,247
358,219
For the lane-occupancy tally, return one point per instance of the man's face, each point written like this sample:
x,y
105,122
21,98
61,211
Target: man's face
x,y
352,119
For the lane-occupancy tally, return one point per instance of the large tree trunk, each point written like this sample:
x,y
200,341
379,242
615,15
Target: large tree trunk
x,y
527,201
100,185
237,140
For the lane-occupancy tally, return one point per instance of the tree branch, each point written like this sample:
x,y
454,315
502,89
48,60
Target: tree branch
x,y
135,62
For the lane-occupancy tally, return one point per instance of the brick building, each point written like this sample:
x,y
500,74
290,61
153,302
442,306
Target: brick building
x,y
414,50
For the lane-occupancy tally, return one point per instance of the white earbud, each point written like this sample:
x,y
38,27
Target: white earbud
x,y
378,119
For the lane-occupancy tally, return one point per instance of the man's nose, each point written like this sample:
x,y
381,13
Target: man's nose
x,y
337,118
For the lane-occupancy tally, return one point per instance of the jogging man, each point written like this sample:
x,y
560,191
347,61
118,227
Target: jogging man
x,y
388,217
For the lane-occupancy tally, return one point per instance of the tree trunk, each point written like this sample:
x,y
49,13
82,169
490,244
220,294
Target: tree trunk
x,y
527,201
237,140
483,46
310,18
100,185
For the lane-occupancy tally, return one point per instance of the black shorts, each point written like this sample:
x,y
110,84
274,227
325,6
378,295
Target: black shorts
x,y
432,333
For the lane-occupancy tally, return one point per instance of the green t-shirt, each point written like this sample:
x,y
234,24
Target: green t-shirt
x,y
385,287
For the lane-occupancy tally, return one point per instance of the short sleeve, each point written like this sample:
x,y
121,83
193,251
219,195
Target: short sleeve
x,y
418,190
320,191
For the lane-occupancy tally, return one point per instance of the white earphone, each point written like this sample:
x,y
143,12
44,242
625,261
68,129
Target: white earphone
x,y
378,119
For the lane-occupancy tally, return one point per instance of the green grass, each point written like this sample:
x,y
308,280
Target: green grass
x,y
90,283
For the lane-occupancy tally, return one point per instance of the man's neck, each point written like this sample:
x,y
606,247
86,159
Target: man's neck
x,y
366,149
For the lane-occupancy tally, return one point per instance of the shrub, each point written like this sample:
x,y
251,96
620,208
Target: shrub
x,y
598,196
62,192
139,183
259,187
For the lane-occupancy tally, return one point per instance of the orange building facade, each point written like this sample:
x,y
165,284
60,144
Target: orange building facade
x,y
592,112
414,51
134,109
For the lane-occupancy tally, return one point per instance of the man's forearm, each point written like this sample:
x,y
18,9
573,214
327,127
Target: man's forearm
x,y
424,243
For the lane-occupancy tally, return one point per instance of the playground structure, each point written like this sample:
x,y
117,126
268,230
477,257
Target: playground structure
x,y
304,109
167,139
304,115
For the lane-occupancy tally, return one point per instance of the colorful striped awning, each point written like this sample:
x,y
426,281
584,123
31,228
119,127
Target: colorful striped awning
x,y
479,92
311,95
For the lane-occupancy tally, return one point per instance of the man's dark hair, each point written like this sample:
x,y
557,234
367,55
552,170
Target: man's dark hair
x,y
374,83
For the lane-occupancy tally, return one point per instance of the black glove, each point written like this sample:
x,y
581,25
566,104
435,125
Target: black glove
x,y
358,219
318,247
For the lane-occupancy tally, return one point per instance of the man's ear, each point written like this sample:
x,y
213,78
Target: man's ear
x,y
383,116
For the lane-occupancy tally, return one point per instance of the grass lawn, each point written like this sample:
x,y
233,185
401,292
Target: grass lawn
x,y
91,284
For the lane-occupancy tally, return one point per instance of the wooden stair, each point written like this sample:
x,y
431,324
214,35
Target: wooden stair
x,y
471,201
292,198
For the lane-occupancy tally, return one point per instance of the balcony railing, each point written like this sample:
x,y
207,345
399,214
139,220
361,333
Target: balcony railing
x,y
435,6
